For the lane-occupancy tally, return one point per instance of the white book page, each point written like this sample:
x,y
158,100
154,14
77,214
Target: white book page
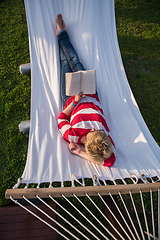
x,y
88,82
73,83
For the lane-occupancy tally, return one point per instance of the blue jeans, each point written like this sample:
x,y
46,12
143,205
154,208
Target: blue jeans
x,y
69,61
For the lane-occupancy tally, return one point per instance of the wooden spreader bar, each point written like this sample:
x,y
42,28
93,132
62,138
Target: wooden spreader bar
x,y
80,191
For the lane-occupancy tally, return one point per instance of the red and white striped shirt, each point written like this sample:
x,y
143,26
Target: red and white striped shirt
x,y
86,115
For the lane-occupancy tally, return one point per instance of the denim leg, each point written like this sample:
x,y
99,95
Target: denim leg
x,y
64,69
69,52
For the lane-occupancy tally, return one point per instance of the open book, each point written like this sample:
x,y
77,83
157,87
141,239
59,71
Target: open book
x,y
81,81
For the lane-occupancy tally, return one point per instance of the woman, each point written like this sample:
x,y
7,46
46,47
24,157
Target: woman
x,y
82,121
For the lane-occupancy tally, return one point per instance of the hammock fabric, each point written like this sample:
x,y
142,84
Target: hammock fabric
x,y
92,30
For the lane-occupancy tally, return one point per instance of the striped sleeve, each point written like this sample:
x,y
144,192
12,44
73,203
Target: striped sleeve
x,y
63,123
68,132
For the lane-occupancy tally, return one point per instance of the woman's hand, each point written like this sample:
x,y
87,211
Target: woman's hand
x,y
70,107
78,97
74,148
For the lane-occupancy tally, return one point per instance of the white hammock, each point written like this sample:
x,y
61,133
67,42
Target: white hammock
x,y
92,30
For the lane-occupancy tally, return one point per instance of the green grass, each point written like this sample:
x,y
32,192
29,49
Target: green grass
x,y
138,29
14,93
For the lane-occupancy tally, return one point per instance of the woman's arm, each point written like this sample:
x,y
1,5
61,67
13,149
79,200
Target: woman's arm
x,y
76,149
70,107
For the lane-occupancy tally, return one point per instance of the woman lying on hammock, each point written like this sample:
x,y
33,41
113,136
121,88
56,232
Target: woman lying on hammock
x,y
82,120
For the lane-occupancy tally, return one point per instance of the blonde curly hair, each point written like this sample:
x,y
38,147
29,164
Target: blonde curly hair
x,y
98,145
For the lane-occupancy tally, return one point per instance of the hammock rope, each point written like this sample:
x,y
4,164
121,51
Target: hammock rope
x,y
129,216
120,215
16,202
128,231
71,216
83,214
52,219
153,226
61,216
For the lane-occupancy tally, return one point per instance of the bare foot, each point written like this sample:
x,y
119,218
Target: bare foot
x,y
59,23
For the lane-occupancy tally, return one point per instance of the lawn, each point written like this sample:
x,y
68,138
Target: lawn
x,y
138,29
14,92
